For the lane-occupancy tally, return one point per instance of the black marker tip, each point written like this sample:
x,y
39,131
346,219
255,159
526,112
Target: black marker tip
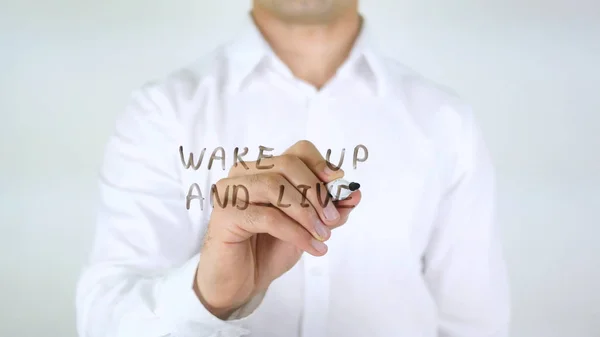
x,y
353,186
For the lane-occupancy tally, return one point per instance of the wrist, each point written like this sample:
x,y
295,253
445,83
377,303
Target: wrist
x,y
220,312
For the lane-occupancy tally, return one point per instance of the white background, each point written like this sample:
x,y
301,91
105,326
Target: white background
x,y
531,69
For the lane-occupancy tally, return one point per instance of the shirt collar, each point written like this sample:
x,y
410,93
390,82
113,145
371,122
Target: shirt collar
x,y
249,50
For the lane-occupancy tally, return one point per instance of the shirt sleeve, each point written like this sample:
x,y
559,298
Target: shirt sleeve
x,y
139,281
463,263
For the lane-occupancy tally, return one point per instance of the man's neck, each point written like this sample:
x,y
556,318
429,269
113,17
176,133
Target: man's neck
x,y
312,52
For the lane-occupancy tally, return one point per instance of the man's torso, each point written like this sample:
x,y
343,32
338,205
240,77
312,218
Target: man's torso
x,y
369,283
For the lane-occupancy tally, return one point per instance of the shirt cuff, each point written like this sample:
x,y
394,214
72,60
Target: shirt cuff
x,y
178,304
247,309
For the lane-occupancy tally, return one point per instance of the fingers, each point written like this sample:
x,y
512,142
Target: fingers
x,y
272,221
271,190
310,155
303,150
303,179
346,206
301,168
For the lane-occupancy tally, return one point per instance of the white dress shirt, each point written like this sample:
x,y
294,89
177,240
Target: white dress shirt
x,y
419,257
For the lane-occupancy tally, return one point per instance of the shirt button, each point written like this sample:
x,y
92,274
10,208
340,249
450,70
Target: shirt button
x,y
316,271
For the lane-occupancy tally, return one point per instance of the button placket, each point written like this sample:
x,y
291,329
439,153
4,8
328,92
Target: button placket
x,y
316,276
316,296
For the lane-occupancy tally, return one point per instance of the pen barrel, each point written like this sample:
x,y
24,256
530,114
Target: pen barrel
x,y
339,189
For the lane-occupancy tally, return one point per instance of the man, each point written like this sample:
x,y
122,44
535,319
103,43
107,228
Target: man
x,y
212,222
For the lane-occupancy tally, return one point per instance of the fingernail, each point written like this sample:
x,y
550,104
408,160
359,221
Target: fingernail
x,y
319,246
322,231
331,213
330,172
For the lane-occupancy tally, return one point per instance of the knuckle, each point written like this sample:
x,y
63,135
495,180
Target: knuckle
x,y
252,179
255,218
251,216
258,217
288,160
221,184
272,181
303,144
270,215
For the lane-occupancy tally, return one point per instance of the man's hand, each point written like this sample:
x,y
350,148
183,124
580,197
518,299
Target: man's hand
x,y
246,248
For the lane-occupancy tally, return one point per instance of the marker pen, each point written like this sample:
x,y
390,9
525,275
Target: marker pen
x,y
341,189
